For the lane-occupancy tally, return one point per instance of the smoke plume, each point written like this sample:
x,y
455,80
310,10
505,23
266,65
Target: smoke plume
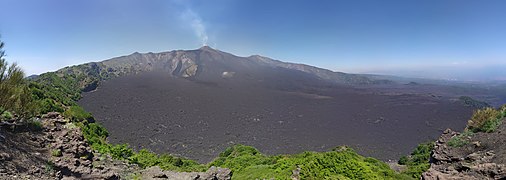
x,y
197,25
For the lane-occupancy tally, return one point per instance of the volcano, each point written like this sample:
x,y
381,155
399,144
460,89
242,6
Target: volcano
x,y
196,103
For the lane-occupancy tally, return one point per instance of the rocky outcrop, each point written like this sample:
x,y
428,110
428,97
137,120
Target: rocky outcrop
x,y
212,173
72,156
60,151
481,156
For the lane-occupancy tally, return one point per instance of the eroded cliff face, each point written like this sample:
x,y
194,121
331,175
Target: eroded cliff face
x,y
482,156
183,66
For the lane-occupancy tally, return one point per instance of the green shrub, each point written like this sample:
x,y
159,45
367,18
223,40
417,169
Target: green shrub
x,y
145,158
342,163
503,110
96,136
415,171
491,125
77,113
460,140
49,167
485,120
403,160
48,105
120,151
56,153
34,125
457,141
6,115
418,161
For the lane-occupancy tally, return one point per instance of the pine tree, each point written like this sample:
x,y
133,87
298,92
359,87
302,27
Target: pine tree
x,y
15,95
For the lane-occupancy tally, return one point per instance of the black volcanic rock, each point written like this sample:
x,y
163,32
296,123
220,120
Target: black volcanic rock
x,y
276,110
195,103
482,157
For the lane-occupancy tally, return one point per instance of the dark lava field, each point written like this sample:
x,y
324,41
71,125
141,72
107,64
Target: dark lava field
x,y
198,119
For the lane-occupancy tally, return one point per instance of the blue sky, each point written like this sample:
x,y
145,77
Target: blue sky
x,y
430,38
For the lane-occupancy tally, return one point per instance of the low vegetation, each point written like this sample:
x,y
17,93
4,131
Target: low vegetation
x,y
486,120
418,161
461,139
76,113
341,163
248,163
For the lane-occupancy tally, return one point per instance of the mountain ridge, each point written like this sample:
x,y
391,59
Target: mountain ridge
x,y
190,63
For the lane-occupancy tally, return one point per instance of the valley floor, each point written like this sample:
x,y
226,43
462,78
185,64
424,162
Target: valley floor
x,y
199,120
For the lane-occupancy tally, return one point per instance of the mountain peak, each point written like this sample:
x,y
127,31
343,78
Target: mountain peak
x,y
206,48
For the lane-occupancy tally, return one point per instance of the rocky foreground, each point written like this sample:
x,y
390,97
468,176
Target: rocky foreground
x,y
482,156
58,150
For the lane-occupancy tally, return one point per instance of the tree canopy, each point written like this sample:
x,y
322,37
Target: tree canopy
x,y
15,95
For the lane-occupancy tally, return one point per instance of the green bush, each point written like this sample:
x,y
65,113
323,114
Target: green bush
x,y
486,120
96,136
342,163
56,153
120,151
418,161
403,160
49,167
145,158
457,141
77,113
34,125
48,105
460,140
6,115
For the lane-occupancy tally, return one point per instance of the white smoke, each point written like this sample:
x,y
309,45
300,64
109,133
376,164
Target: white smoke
x,y
197,25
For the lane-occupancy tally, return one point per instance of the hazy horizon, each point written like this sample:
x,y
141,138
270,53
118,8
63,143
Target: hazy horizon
x,y
453,40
